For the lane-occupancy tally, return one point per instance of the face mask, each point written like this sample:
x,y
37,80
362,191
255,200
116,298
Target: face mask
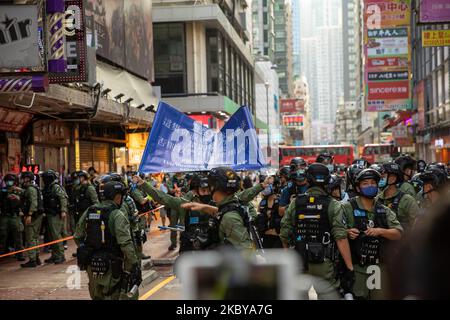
x,y
330,168
369,192
268,190
76,182
9,183
382,183
205,198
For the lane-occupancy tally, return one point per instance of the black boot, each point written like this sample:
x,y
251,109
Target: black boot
x,y
29,264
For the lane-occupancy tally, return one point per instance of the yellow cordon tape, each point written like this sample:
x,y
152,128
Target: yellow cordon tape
x,y
156,288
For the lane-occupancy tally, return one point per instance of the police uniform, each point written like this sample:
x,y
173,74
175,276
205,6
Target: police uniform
x,y
84,196
130,207
309,224
408,188
265,222
10,224
55,202
403,205
367,250
106,250
32,206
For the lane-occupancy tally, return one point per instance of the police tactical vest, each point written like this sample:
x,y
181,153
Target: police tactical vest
x,y
82,202
395,202
98,233
263,222
52,204
27,201
367,250
9,207
234,206
312,223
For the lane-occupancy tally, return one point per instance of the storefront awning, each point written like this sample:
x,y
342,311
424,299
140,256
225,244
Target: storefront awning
x,y
121,81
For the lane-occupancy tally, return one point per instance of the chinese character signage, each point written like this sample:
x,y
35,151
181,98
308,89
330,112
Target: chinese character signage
x,y
14,121
292,105
432,11
31,168
387,55
435,38
293,120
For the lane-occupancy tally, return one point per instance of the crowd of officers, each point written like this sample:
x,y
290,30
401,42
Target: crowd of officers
x,y
339,224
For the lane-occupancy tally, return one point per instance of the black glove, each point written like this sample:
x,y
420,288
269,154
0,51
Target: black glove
x,y
347,280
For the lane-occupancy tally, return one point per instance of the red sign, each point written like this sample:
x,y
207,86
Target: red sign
x,y
292,105
13,121
31,168
388,90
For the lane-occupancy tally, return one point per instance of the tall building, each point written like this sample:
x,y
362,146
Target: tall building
x,y
263,24
203,59
283,45
351,54
321,60
296,68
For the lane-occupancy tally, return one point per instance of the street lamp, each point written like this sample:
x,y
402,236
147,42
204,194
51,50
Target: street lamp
x,y
267,85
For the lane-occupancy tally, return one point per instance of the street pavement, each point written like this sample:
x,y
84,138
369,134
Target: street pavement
x,y
59,282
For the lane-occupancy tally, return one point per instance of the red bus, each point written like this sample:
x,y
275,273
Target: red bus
x,y
343,154
378,153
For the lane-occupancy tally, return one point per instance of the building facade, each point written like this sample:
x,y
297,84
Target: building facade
x,y
283,45
203,59
263,25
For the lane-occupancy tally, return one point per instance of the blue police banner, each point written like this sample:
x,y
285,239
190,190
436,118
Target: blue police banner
x,y
177,143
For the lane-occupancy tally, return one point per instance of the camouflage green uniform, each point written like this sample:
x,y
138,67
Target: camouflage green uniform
x,y
54,220
10,224
327,269
407,208
129,208
408,188
360,288
107,287
33,229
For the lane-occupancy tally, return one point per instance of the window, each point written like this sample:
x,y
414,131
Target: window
x,y
170,57
446,82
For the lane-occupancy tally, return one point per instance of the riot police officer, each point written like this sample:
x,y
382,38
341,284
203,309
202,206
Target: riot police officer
x,y
350,175
404,205
55,207
297,185
434,181
297,163
283,174
326,159
33,209
268,221
407,166
105,247
368,224
336,188
10,213
309,224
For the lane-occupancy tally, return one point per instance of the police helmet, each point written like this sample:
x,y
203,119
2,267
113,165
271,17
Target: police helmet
x,y
351,173
324,157
367,174
318,174
112,176
284,171
49,176
421,166
27,174
10,177
296,162
435,176
82,173
223,179
335,182
377,167
437,165
417,182
198,181
362,162
299,175
112,188
393,168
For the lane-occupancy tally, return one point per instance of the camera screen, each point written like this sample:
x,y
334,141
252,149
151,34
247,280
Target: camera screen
x,y
222,283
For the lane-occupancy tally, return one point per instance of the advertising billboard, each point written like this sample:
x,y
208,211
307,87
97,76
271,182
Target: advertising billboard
x,y
123,33
435,38
292,105
432,11
387,53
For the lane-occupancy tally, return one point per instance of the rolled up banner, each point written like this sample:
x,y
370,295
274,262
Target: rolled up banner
x,y
35,83
57,62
